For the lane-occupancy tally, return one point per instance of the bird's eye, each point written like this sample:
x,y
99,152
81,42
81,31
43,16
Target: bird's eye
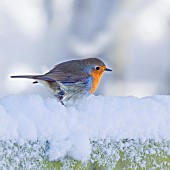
x,y
97,68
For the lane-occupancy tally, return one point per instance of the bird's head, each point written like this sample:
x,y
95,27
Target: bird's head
x,y
95,66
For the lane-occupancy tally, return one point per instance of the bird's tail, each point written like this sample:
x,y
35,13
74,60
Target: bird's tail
x,y
26,76
35,77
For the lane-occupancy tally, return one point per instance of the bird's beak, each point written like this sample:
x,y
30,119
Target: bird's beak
x,y
107,69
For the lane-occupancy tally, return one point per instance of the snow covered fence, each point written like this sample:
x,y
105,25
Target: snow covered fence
x,y
112,132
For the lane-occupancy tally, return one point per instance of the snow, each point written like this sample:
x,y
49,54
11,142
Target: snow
x,y
72,130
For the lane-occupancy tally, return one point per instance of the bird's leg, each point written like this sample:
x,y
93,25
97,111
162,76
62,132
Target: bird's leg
x,y
60,96
60,99
62,102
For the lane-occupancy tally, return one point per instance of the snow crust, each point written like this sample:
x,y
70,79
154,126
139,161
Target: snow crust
x,y
70,130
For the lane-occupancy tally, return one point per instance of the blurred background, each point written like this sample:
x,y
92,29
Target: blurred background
x,y
131,36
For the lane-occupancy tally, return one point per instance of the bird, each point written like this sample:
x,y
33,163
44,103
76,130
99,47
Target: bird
x,y
71,80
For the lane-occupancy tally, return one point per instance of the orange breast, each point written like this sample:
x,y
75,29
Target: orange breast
x,y
96,75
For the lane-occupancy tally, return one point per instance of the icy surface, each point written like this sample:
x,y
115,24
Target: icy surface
x,y
72,130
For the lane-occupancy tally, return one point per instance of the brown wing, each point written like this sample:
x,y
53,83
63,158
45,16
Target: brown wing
x,y
71,71
63,77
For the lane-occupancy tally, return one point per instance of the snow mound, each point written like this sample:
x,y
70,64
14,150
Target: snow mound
x,y
72,130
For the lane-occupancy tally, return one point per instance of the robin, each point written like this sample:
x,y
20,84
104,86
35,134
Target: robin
x,y
72,80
